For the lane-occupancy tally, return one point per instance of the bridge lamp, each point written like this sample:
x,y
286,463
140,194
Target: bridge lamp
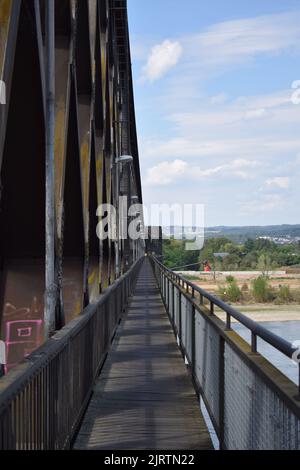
x,y
134,199
124,159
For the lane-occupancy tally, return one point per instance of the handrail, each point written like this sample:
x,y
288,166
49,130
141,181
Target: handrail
x,y
237,384
43,398
53,346
257,330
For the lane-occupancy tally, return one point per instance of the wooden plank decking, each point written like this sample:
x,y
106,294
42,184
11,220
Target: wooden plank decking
x,y
144,398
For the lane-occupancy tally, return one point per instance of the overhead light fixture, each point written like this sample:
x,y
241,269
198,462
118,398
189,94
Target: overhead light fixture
x,y
124,159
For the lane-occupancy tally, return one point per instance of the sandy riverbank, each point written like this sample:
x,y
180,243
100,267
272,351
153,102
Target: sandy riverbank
x,y
268,313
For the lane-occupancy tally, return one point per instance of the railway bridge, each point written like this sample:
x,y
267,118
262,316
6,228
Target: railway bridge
x,y
105,348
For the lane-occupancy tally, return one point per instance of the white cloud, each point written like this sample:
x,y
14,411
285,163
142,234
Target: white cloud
x,y
221,98
255,113
197,148
243,108
282,182
256,127
207,133
162,58
267,203
222,45
167,173
233,42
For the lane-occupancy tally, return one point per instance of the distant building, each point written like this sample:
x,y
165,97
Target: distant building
x,y
281,240
221,255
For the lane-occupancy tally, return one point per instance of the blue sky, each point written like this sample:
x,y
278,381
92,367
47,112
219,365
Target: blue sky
x,y
216,121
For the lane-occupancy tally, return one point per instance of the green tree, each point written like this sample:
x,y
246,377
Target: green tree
x,y
231,292
249,245
176,256
264,264
261,289
284,294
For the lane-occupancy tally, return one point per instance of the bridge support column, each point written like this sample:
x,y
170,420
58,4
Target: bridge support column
x,y
50,288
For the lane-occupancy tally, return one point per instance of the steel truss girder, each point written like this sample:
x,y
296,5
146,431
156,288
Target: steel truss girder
x,y
91,63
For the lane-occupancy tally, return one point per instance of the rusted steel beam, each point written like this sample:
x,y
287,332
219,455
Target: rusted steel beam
x,y
90,99
9,22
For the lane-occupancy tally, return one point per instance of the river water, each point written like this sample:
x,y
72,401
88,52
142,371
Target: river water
x,y
287,330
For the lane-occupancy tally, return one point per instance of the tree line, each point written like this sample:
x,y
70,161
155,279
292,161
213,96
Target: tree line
x,y
260,254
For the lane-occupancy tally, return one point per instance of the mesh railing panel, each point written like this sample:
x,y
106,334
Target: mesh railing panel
x,y
186,322
207,357
176,308
183,320
255,417
171,300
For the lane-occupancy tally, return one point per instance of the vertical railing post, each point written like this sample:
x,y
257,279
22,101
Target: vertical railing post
x,y
222,392
2,358
299,380
253,343
180,318
173,304
193,342
168,296
228,321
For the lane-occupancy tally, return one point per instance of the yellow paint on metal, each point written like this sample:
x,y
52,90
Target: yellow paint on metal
x,y
5,12
92,277
99,164
99,176
78,308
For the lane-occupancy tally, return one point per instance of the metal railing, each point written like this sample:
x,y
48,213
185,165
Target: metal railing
x,y
42,401
252,405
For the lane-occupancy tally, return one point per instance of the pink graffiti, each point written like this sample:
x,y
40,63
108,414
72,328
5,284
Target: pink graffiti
x,y
22,338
